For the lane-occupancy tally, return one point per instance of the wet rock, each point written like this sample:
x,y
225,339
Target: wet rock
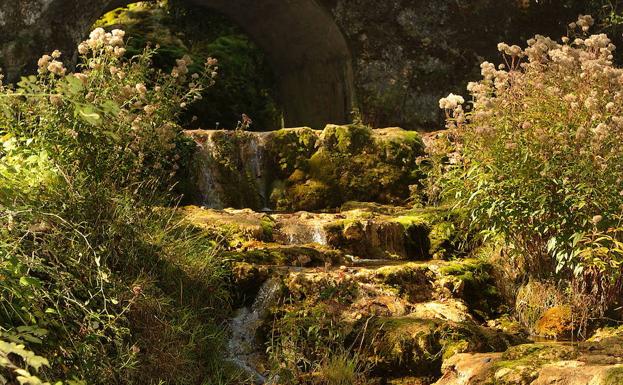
x,y
287,255
248,278
538,364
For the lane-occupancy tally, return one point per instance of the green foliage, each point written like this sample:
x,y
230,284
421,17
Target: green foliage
x,y
247,84
541,161
308,332
94,275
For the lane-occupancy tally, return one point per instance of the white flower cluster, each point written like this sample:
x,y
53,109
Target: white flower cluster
x,y
181,68
453,105
100,39
585,22
576,79
50,64
539,47
451,102
511,50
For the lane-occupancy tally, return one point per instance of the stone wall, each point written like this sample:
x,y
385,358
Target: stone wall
x,y
409,53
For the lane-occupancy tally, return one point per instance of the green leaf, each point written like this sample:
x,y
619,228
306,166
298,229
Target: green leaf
x,y
89,115
29,281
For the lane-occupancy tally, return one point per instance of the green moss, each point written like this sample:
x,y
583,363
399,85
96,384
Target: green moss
x,y
268,226
480,292
290,149
346,139
418,346
277,255
312,195
614,376
415,219
536,355
413,280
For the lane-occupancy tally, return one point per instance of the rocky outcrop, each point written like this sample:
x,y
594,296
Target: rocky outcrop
x,y
597,361
303,169
406,317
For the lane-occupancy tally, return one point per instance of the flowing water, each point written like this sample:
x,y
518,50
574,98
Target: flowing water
x,y
211,195
249,168
296,231
252,156
243,348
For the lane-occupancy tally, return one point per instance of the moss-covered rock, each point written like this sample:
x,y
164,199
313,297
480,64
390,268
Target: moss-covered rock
x,y
239,225
477,286
286,255
410,345
304,169
596,362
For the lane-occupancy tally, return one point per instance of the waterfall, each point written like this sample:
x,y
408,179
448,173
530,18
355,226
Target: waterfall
x,y
252,156
319,236
243,346
300,229
210,194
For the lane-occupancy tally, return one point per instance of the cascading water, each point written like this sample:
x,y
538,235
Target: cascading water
x,y
252,156
232,169
243,348
209,184
319,236
295,230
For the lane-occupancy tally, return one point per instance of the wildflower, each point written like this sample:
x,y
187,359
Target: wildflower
x,y
585,22
56,100
451,102
149,109
82,77
141,89
136,123
56,68
596,219
43,63
56,54
83,48
119,51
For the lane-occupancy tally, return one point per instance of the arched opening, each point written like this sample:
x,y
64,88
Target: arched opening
x,y
246,83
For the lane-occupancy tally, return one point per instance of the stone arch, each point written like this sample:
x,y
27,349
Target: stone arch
x,y
306,48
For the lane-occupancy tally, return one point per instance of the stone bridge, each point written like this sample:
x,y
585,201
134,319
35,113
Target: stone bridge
x,y
393,59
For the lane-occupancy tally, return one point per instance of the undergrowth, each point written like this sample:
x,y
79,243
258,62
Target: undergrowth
x,y
100,282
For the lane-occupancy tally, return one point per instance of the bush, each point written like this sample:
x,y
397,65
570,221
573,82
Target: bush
x,y
542,160
88,261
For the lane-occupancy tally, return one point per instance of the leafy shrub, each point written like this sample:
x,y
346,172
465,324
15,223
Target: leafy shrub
x,y
85,160
541,160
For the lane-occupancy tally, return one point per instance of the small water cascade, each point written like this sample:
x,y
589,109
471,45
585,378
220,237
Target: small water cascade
x,y
319,235
209,185
232,169
252,156
295,230
243,348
